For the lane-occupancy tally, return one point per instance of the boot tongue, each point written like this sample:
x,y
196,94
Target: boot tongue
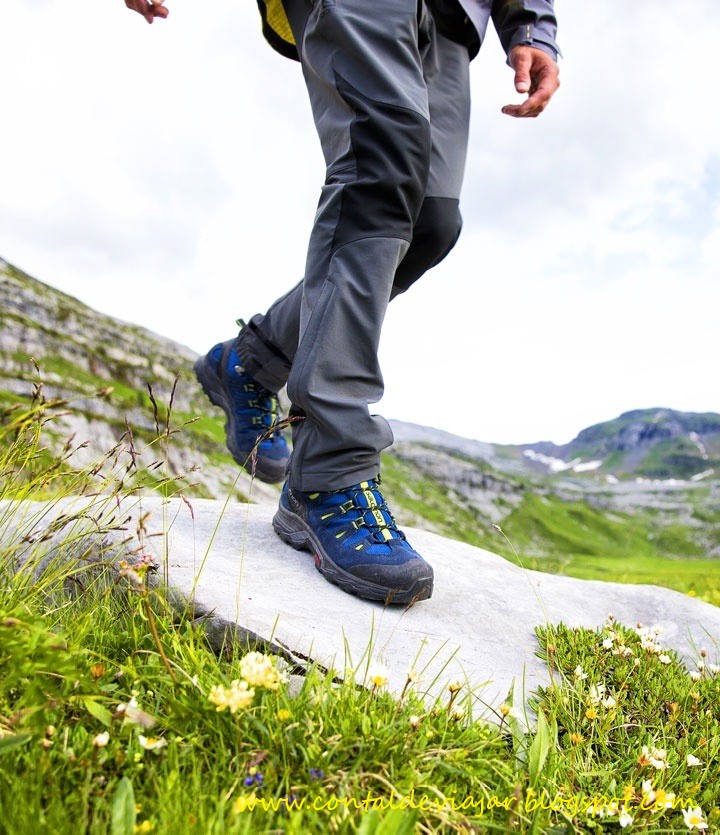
x,y
369,501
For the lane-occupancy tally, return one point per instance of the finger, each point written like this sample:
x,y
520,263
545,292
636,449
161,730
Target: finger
x,y
522,65
544,85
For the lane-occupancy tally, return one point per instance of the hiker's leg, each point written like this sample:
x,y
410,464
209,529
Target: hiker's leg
x,y
365,79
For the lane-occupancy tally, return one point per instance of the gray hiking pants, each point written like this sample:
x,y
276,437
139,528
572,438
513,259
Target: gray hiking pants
x,y
390,99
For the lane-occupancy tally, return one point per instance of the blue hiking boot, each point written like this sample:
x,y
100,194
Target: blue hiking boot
x,y
355,542
251,411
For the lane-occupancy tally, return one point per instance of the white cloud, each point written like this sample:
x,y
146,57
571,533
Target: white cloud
x,y
168,174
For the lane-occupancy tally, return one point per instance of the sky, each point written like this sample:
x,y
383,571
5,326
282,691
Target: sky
x,y
168,175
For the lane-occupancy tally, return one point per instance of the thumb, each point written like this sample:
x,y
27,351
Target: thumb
x,y
522,73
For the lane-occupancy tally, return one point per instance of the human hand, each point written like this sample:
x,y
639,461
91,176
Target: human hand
x,y
536,73
149,10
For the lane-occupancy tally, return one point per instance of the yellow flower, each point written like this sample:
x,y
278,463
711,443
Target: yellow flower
x,y
283,715
234,698
576,738
454,685
259,671
591,713
378,674
145,826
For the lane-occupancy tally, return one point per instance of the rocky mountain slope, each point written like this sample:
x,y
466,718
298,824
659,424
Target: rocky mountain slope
x,y
636,493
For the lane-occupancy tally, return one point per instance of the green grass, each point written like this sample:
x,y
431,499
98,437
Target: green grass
x,y
115,712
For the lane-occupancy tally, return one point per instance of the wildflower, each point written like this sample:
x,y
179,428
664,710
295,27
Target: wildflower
x,y
509,710
694,818
693,760
415,721
597,693
625,818
254,778
695,675
454,685
665,659
152,743
579,673
413,675
378,674
144,827
713,668
259,670
234,698
607,643
609,702
132,714
101,740
283,714
647,791
591,713
576,738
316,774
657,758
663,799
457,714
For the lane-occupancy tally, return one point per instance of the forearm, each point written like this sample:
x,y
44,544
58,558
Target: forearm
x,y
528,23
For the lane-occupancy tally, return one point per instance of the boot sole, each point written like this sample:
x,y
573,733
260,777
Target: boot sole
x,y
293,530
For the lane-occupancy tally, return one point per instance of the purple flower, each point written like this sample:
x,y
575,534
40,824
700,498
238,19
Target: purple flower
x,y
316,774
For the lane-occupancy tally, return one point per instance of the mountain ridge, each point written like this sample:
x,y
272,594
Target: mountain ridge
x,y
653,497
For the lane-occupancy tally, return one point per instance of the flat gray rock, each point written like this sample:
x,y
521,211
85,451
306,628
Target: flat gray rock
x,y
478,626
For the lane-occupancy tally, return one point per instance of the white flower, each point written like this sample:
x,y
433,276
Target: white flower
x,y
454,685
579,674
101,740
609,702
131,713
695,675
415,721
647,791
713,668
607,643
152,743
693,760
663,799
597,693
665,659
694,818
658,759
625,818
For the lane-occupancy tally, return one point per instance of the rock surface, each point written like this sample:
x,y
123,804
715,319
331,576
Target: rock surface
x,y
478,626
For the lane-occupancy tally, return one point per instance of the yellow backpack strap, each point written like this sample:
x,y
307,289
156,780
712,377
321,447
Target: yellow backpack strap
x,y
276,28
